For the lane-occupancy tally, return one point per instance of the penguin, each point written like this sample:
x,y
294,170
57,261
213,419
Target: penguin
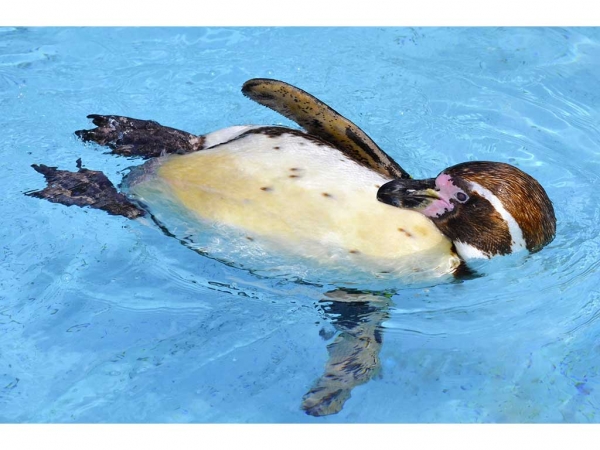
x,y
326,194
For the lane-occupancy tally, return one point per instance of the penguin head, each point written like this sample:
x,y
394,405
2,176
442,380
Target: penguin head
x,y
485,208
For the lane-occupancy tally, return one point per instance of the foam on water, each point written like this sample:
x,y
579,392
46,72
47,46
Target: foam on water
x,y
108,320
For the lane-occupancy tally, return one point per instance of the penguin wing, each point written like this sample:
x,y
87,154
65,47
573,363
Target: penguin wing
x,y
320,120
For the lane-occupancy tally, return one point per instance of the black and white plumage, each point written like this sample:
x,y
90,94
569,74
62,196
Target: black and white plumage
x,y
313,193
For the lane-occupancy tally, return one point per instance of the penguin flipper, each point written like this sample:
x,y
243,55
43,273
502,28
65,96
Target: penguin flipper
x,y
353,354
135,137
320,120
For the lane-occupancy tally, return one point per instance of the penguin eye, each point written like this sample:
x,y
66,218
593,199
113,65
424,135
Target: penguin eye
x,y
462,197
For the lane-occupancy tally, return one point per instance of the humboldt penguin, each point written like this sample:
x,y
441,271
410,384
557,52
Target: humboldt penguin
x,y
326,194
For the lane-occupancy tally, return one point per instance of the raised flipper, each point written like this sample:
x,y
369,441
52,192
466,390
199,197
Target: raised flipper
x,y
134,137
354,353
84,188
320,120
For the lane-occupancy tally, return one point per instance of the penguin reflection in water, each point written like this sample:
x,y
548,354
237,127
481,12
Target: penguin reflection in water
x,y
328,194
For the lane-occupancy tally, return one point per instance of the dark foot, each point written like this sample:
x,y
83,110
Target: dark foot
x,y
84,188
134,137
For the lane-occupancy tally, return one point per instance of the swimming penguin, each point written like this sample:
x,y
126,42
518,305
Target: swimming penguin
x,y
328,194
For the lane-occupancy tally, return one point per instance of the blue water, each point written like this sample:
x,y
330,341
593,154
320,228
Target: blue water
x,y
103,319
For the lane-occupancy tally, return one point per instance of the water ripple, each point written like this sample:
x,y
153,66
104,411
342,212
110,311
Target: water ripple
x,y
107,320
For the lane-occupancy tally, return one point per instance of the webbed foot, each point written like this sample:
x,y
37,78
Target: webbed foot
x,y
134,137
84,188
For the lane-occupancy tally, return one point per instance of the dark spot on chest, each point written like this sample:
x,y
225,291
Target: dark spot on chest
x,y
326,194
266,188
406,233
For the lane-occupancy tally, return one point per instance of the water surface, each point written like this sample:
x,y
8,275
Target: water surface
x,y
103,319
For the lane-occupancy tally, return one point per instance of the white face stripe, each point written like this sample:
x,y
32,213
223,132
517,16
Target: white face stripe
x,y
516,234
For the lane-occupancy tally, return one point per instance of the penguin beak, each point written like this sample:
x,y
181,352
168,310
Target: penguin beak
x,y
412,194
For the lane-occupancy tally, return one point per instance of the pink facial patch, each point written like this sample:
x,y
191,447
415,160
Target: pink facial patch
x,y
446,190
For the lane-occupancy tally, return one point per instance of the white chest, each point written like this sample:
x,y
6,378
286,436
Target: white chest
x,y
302,198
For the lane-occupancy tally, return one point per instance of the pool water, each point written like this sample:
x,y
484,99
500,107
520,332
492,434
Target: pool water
x,y
103,319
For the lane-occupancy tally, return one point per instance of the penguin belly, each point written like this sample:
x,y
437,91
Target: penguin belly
x,y
296,195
